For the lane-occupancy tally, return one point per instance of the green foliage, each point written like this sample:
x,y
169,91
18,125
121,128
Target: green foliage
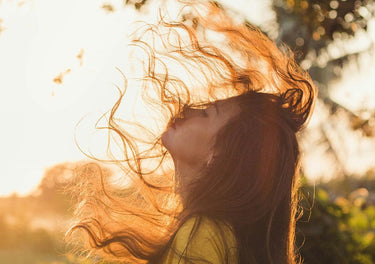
x,y
311,25
336,229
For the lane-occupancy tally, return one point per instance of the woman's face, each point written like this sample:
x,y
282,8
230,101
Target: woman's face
x,y
190,140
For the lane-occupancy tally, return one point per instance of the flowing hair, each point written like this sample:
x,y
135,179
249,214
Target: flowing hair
x,y
252,181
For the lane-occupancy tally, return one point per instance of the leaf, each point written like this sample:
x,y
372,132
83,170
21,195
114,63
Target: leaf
x,y
59,78
108,8
80,57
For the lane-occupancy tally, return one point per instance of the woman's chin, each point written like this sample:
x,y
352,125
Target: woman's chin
x,y
165,138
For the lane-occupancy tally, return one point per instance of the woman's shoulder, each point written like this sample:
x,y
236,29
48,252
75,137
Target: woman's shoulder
x,y
205,238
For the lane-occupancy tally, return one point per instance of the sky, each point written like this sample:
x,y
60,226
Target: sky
x,y
58,63
42,40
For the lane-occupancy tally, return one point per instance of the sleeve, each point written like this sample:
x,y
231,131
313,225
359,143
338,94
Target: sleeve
x,y
206,245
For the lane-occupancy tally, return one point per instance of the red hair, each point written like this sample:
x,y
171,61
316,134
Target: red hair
x,y
253,180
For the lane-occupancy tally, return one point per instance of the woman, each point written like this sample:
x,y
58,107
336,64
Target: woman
x,y
231,195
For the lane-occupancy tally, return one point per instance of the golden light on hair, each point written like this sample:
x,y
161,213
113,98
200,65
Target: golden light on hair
x,y
186,65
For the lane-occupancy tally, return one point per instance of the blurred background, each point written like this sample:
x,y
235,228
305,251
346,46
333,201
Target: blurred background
x,y
60,61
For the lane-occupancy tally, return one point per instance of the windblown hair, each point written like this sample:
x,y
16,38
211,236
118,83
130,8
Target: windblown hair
x,y
252,181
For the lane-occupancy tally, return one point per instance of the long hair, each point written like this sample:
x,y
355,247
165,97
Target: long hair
x,y
252,181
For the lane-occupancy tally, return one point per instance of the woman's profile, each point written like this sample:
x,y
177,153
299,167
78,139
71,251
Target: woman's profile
x,y
218,182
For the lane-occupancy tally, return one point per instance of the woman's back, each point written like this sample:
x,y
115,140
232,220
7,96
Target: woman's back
x,y
203,240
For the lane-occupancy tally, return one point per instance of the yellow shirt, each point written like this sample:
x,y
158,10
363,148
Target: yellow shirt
x,y
206,244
